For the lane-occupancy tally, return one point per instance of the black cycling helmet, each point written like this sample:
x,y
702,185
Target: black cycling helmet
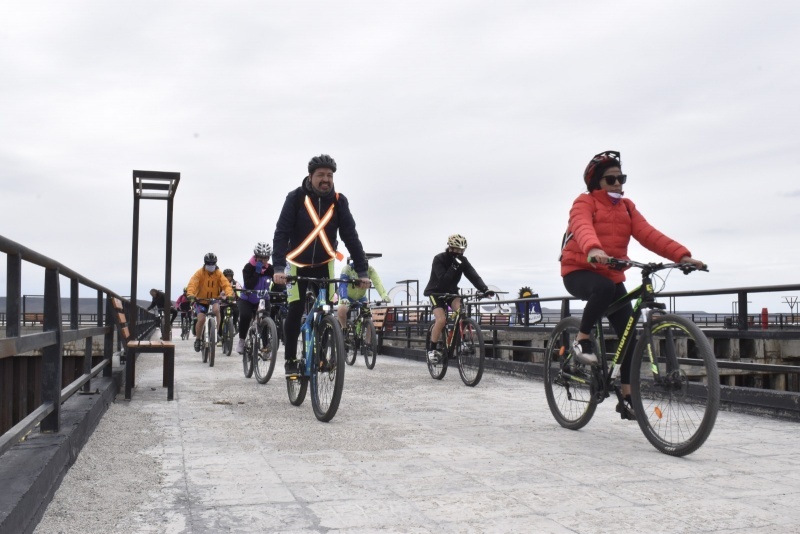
x,y
227,272
210,259
595,169
319,162
185,289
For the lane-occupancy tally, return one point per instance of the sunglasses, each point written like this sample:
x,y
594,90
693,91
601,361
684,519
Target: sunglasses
x,y
611,180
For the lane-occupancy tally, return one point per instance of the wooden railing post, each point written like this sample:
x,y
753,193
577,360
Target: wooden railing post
x,y
51,354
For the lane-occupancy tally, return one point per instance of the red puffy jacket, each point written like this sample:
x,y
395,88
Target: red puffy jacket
x,y
598,223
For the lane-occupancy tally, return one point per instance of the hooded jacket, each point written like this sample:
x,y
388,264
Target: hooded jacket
x,y
295,224
205,285
596,222
258,281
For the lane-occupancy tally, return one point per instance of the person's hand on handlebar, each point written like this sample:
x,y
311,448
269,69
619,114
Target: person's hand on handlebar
x,y
279,278
697,263
597,255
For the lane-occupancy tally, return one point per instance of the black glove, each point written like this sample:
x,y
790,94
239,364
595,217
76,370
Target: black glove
x,y
457,262
489,293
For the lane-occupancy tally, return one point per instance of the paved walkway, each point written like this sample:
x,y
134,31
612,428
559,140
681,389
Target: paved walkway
x,y
406,453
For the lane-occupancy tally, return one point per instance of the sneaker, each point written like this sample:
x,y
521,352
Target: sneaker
x,y
625,409
197,345
434,356
240,346
291,367
583,351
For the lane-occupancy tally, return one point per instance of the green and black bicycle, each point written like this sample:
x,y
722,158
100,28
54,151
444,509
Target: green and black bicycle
x,y
674,376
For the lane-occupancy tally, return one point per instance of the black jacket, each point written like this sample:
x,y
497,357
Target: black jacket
x,y
294,225
446,273
158,301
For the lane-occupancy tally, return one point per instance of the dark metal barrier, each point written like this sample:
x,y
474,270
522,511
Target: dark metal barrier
x,y
32,388
770,385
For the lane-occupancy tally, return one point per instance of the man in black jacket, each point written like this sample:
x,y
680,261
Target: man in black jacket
x,y
305,243
159,298
446,272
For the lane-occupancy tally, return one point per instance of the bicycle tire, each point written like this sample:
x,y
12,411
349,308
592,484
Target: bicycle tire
x,y
204,344
212,340
437,370
251,346
227,336
350,343
369,343
297,386
264,363
470,352
676,413
327,370
571,401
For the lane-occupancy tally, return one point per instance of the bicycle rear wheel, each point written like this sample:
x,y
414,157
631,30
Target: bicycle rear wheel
x,y
369,343
265,359
211,324
251,346
567,384
437,369
675,392
350,343
470,352
297,386
327,370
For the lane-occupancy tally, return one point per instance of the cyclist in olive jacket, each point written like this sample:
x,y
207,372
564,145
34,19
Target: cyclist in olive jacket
x,y
305,243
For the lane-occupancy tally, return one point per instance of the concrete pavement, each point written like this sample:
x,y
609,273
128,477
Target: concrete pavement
x,y
406,453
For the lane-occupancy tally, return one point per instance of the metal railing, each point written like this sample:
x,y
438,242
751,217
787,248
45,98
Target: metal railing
x,y
407,326
17,418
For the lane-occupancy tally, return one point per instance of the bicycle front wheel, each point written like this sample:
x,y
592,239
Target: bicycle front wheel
x,y
264,359
369,343
567,384
251,346
675,385
350,343
204,340
227,336
470,352
437,369
212,339
327,370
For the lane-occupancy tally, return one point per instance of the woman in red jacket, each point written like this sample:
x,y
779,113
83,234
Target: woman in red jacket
x,y
601,224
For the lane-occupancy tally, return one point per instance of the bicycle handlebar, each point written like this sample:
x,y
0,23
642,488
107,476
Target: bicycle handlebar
x,y
652,267
353,281
475,296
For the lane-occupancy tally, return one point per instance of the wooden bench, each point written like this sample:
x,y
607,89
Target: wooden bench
x,y
133,347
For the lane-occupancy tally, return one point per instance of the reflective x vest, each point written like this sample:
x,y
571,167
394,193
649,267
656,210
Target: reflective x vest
x,y
318,231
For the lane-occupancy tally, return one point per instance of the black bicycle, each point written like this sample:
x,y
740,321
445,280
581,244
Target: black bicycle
x,y
461,339
279,309
228,328
360,334
186,323
674,376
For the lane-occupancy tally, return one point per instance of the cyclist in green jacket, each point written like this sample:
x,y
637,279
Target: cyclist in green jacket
x,y
349,293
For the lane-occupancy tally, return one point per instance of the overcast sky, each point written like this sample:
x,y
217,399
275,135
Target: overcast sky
x,y
462,116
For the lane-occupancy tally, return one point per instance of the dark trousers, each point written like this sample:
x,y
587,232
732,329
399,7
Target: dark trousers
x,y
599,293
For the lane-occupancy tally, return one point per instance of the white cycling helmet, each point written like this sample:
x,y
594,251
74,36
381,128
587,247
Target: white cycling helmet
x,y
457,241
262,249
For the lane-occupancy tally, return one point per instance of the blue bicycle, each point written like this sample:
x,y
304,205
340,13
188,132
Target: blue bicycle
x,y
323,353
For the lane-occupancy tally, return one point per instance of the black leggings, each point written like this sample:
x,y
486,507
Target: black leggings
x,y
599,292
